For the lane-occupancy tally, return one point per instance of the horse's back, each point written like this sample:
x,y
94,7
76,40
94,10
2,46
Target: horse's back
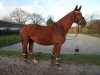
x,y
35,32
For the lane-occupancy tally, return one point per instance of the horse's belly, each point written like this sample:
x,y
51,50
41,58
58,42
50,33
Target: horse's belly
x,y
43,43
43,40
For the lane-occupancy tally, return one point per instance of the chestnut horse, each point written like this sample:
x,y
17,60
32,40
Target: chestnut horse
x,y
54,34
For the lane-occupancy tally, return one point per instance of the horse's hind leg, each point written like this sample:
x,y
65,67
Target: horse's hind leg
x,y
24,49
31,51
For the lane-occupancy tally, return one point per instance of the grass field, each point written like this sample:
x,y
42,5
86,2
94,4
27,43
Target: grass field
x,y
66,58
9,39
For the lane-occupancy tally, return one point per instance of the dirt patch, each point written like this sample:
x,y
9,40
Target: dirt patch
x,y
16,66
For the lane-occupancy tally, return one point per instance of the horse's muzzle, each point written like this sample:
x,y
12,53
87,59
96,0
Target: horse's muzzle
x,y
82,22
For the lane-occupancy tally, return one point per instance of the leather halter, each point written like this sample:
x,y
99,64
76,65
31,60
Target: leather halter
x,y
78,27
77,18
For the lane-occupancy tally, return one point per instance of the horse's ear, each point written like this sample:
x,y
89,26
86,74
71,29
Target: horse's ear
x,y
76,7
80,8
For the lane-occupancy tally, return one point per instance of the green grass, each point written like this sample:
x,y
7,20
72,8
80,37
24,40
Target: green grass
x,y
65,58
81,58
10,53
9,39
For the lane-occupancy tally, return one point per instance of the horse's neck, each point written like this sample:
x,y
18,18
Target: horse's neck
x,y
66,22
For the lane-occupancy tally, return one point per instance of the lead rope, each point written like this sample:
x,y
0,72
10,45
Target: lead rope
x,y
75,35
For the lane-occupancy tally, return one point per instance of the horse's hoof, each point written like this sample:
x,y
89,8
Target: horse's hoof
x,y
35,61
51,62
25,61
60,68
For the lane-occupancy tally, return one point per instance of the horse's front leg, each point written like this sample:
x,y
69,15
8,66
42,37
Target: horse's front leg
x,y
57,51
52,56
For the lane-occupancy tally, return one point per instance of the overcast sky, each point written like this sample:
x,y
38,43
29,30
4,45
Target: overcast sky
x,y
55,8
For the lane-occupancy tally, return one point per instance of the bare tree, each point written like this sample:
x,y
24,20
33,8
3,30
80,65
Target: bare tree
x,y
19,15
91,22
36,18
92,18
7,18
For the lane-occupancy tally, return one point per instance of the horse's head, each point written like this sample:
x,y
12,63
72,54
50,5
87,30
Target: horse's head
x,y
78,18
